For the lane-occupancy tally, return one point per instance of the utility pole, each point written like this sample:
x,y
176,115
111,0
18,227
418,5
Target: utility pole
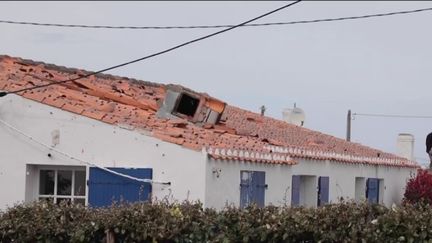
x,y
348,131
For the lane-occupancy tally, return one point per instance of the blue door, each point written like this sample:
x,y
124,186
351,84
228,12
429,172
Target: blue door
x,y
295,190
252,188
372,190
106,187
323,190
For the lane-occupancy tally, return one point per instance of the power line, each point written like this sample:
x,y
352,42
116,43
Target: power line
x,y
152,55
80,160
212,26
391,116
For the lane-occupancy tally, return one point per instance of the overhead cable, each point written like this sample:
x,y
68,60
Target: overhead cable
x,y
152,55
80,160
391,116
212,26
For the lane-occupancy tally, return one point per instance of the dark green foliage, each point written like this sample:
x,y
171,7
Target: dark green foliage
x,y
189,222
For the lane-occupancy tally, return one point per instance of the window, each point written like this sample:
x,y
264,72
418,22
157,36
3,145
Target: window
x,y
187,105
58,185
360,189
252,188
304,190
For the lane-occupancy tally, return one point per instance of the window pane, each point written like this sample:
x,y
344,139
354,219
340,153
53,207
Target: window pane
x,y
80,183
79,201
46,182
47,199
64,200
64,182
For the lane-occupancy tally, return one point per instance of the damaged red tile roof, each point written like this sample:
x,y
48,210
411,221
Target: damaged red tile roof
x,y
240,135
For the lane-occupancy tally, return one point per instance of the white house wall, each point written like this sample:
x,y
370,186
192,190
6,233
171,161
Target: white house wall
x,y
342,178
190,172
225,189
88,140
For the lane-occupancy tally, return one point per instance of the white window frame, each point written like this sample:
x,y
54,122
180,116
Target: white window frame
x,y
55,197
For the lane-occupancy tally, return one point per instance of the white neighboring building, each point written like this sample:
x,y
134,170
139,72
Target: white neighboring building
x,y
103,138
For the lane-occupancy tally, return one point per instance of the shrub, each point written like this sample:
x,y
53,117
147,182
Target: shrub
x,y
419,188
189,222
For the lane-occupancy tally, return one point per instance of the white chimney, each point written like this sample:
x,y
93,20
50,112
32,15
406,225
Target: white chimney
x,y
294,116
405,145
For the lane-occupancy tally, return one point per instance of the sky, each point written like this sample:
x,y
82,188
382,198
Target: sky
x,y
377,65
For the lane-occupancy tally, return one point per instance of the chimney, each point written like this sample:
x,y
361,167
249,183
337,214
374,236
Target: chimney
x,y
294,115
405,145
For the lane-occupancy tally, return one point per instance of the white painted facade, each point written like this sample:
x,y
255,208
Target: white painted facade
x,y
278,177
88,140
193,175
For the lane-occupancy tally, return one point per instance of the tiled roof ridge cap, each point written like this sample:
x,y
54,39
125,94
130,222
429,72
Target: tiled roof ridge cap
x,y
253,155
282,157
78,71
296,151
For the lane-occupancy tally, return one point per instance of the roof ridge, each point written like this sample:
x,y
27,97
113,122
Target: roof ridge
x,y
78,71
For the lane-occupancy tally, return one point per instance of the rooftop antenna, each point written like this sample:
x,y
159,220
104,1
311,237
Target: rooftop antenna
x,y
263,109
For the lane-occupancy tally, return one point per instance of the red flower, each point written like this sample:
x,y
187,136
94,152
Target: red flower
x,y
419,188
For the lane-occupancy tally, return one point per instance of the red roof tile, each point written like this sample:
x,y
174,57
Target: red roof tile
x,y
240,135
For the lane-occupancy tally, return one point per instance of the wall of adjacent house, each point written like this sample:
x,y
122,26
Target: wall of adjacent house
x,y
223,181
89,140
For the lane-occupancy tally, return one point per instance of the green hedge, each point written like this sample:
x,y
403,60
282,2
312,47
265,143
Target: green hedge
x,y
189,222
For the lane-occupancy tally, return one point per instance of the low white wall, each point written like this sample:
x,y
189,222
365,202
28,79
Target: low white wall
x,y
92,141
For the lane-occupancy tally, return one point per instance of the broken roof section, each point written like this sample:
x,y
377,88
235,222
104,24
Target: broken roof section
x,y
198,108
181,116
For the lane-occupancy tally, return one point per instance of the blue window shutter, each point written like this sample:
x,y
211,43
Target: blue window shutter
x,y
258,180
252,188
245,188
105,187
323,190
295,190
372,190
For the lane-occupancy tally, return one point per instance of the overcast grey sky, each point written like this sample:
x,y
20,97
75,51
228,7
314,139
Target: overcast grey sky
x,y
377,65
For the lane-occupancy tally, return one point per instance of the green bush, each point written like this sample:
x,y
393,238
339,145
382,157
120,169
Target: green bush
x,y
190,222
